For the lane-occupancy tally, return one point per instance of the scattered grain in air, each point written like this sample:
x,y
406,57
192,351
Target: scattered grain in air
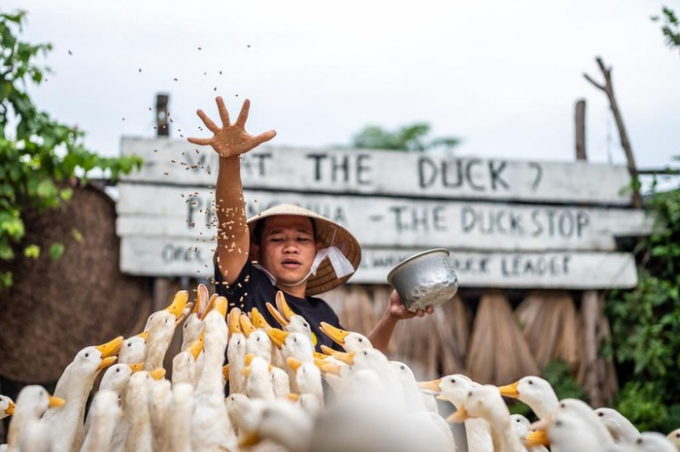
x,y
149,108
199,48
197,153
155,150
140,69
220,72
174,79
165,174
173,161
70,53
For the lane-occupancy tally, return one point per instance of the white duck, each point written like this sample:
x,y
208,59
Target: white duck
x,y
520,426
103,416
75,385
308,378
289,320
416,400
585,414
32,403
674,437
257,340
486,402
133,349
349,340
258,379
6,406
210,415
136,410
37,437
181,410
621,429
236,352
653,442
535,392
260,323
567,431
161,326
184,365
193,325
115,379
292,345
160,399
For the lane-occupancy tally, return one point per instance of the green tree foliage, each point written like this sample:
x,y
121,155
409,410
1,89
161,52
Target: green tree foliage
x,y
408,138
670,27
39,156
646,323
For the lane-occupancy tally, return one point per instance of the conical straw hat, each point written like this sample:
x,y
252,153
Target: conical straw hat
x,y
327,233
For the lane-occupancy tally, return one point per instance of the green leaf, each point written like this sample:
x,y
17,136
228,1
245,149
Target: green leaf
x,y
56,250
32,251
77,235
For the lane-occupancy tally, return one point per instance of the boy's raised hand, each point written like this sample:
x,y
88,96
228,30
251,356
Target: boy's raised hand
x,y
231,139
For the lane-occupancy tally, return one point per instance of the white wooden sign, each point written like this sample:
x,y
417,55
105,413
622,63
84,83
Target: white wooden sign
x,y
160,256
186,212
386,172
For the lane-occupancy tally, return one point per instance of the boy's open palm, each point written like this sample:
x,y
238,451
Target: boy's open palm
x,y
231,139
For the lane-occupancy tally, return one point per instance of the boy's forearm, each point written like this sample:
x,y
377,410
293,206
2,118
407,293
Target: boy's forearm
x,y
233,239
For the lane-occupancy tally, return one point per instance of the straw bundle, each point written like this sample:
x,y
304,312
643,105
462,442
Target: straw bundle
x,y
453,321
551,327
498,353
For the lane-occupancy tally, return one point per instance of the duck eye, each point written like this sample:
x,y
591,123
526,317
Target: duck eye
x,y
453,380
87,355
361,340
166,320
258,339
558,423
402,367
117,370
516,420
129,344
295,339
305,325
562,405
531,382
469,393
600,414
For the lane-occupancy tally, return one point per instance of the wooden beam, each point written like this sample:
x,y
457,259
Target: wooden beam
x,y
580,119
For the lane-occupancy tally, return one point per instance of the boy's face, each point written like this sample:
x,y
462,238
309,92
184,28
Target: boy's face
x,y
287,248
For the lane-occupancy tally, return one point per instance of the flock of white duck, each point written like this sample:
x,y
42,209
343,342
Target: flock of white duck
x,y
276,399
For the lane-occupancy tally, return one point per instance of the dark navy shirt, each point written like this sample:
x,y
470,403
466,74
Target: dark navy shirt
x,y
253,289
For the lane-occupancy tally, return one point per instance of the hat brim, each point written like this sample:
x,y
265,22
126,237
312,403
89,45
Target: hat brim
x,y
328,233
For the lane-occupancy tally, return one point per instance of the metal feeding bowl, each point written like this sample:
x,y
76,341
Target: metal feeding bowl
x,y
426,279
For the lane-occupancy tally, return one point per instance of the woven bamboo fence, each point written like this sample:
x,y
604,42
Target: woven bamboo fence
x,y
497,345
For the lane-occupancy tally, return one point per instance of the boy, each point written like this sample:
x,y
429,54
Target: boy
x,y
293,249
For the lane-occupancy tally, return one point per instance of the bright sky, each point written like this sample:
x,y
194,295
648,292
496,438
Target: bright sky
x,y
502,75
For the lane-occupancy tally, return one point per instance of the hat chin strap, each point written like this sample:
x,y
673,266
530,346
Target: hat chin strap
x,y
341,265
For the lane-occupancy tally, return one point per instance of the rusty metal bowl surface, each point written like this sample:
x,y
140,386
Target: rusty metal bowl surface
x,y
425,279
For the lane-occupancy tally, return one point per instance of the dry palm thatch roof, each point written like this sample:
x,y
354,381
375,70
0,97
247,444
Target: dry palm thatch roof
x,y
498,352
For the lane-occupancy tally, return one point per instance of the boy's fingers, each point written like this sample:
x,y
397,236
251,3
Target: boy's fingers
x,y
200,141
420,313
429,309
243,115
264,137
207,121
224,114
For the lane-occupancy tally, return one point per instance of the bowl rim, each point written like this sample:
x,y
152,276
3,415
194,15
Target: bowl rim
x,y
390,275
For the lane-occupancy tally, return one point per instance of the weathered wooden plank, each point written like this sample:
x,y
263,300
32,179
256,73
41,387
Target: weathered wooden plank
x,y
158,256
386,173
391,222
